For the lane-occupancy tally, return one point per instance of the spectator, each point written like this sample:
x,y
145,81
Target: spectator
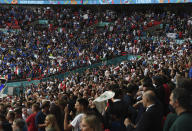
x,y
19,125
190,68
81,107
18,113
179,100
41,115
55,110
31,119
10,117
116,111
152,117
51,123
91,123
5,125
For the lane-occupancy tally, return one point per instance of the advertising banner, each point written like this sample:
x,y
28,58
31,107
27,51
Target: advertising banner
x,y
92,1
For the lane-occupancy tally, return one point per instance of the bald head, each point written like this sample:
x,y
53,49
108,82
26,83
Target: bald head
x,y
149,92
149,98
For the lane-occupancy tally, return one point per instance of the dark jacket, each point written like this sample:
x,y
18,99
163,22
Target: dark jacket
x,y
151,120
182,122
115,115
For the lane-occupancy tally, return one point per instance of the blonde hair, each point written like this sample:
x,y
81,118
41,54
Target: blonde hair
x,y
93,122
53,122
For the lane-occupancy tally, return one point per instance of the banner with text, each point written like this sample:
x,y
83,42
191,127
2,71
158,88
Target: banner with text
x,y
92,1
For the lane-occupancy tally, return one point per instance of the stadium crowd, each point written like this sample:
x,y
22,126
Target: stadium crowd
x,y
71,40
151,93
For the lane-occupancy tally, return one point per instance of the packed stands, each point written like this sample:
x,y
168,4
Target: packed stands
x,y
135,94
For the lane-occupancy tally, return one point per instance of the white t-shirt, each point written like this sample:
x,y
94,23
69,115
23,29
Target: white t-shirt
x,y
76,122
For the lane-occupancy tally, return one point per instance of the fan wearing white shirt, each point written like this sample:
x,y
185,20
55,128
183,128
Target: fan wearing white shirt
x,y
81,107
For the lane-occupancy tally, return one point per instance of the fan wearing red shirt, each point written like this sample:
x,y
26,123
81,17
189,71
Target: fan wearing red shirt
x,y
31,119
